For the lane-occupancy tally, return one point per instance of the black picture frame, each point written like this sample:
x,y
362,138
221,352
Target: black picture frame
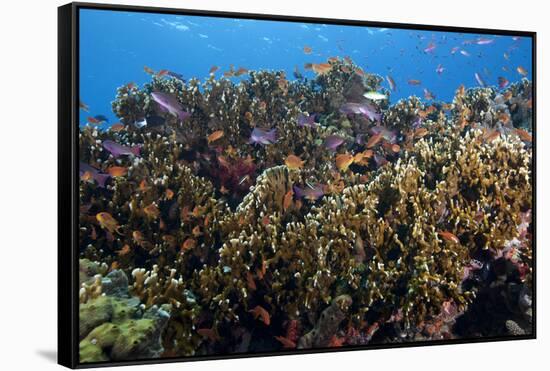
x,y
68,108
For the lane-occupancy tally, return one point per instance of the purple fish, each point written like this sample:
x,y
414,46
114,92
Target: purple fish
x,y
391,83
176,75
479,79
304,120
430,48
169,103
502,82
312,192
98,176
333,141
119,150
484,41
361,108
417,122
263,136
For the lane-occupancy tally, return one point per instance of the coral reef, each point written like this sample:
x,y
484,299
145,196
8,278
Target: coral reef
x,y
281,214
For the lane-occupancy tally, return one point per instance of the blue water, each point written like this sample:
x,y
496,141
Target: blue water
x,y
116,45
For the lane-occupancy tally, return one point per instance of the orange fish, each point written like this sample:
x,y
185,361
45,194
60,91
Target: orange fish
x,y
308,66
343,161
224,190
117,171
198,211
287,343
87,176
294,162
213,69
358,157
395,148
143,185
223,161
241,71
94,234
106,221
335,341
214,136
152,211
448,236
93,120
131,85
209,333
307,50
266,220
184,214
522,71
374,140
138,237
504,117
169,194
188,244
524,135
261,271
248,116
287,200
196,231
261,313
359,71
345,69
461,91
117,127
431,109
361,158
367,153
491,135
124,251
321,68
148,70
414,82
162,73
420,132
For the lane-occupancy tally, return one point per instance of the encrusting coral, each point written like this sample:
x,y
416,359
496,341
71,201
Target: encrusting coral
x,y
352,227
116,327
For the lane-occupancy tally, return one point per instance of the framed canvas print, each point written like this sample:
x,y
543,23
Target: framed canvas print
x,y
235,185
